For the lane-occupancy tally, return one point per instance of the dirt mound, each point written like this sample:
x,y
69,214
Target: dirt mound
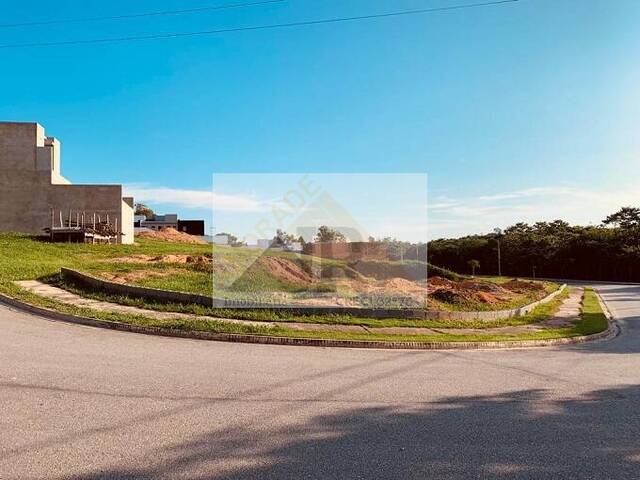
x,y
201,263
134,259
487,298
448,295
284,269
170,258
401,285
389,270
332,271
523,286
170,235
441,282
135,276
449,291
481,286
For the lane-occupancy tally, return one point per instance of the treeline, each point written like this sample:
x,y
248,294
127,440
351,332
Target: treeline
x,y
610,251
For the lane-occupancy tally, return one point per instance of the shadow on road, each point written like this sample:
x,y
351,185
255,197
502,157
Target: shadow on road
x,y
524,434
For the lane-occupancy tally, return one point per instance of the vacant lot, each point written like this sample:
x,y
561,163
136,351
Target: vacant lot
x,y
238,271
242,273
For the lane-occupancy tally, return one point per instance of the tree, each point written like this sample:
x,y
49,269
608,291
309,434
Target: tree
x,y
555,249
142,209
473,264
327,234
626,217
282,239
233,240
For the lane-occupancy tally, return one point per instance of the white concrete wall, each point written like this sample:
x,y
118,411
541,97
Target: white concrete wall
x,y
127,224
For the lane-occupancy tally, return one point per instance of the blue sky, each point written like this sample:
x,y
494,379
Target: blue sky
x,y
254,206
527,110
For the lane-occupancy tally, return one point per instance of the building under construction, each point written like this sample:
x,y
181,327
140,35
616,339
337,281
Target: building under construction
x,y
35,198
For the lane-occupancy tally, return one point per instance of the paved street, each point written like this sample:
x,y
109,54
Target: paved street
x,y
85,403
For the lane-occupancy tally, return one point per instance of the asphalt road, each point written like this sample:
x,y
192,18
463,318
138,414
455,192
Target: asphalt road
x,y
85,403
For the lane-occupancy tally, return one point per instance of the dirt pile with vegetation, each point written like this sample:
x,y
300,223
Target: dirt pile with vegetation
x,y
381,270
136,276
285,270
522,286
471,290
206,259
170,235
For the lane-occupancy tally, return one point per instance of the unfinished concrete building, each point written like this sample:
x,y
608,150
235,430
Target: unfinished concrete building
x,y
34,195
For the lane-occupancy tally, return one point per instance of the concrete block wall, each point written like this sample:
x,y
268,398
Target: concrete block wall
x,y
31,185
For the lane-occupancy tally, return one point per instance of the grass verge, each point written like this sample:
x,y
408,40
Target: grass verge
x,y
592,321
592,318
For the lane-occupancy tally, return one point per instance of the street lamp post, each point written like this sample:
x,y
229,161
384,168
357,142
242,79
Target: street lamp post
x,y
498,232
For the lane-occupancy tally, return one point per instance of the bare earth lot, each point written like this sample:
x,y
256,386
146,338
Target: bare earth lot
x,y
293,279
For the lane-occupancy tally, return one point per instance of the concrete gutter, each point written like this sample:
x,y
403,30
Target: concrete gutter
x,y
160,295
610,332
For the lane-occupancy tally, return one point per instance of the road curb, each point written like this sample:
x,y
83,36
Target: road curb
x,y
50,314
613,325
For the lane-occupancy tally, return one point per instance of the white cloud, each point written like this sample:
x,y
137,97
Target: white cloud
x,y
204,199
530,192
454,217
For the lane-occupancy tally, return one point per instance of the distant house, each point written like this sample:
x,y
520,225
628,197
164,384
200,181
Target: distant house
x,y
347,250
220,239
170,220
159,222
294,247
192,227
137,219
264,243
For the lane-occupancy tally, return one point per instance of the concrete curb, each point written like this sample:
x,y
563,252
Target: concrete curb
x,y
613,325
157,294
292,341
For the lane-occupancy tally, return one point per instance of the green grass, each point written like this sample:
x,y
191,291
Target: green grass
x,y
592,319
25,257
